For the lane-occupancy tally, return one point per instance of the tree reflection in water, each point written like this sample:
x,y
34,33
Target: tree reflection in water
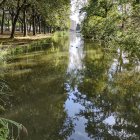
x,y
38,95
102,86
103,93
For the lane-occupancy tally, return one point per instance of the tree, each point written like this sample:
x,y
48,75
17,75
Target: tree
x,y
38,13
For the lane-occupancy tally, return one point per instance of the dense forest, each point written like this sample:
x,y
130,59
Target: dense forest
x,y
117,22
34,16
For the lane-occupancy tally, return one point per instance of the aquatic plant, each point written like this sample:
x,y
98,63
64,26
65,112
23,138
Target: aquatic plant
x,y
7,127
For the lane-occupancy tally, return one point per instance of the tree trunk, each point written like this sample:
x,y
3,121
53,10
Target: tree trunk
x,y
12,17
120,61
106,12
14,24
13,28
2,22
34,23
30,25
21,27
39,27
50,29
8,24
124,12
24,23
47,28
44,29
36,28
39,24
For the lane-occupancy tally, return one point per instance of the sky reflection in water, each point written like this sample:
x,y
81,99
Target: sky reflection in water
x,y
74,72
77,102
75,67
74,91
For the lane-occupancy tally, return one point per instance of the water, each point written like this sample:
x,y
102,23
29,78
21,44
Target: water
x,y
74,90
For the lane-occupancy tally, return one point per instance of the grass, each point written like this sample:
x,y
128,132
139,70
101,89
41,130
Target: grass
x,y
61,33
19,40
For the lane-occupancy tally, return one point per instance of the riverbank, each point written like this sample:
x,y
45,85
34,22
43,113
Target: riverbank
x,y
19,40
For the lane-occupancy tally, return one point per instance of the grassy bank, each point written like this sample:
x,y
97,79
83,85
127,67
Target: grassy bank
x,y
19,40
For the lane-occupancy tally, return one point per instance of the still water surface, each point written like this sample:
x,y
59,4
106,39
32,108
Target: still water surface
x,y
74,90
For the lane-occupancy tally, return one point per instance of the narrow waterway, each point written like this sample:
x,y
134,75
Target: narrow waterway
x,y
73,90
74,78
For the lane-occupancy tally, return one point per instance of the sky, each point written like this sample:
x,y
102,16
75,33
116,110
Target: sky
x,y
75,6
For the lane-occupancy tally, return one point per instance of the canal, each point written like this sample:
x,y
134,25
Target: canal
x,y
73,89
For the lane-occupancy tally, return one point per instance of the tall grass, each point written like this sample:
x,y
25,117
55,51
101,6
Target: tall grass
x,y
61,34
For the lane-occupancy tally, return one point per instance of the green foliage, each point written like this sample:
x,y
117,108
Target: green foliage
x,y
5,129
6,124
101,20
57,13
61,34
99,28
114,22
46,14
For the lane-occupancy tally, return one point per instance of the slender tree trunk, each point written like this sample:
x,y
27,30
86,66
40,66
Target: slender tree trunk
x,y
14,24
39,24
12,17
123,14
44,28
120,61
106,12
54,29
40,27
47,29
2,22
21,27
8,24
30,25
24,23
50,31
34,26
13,28
27,27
